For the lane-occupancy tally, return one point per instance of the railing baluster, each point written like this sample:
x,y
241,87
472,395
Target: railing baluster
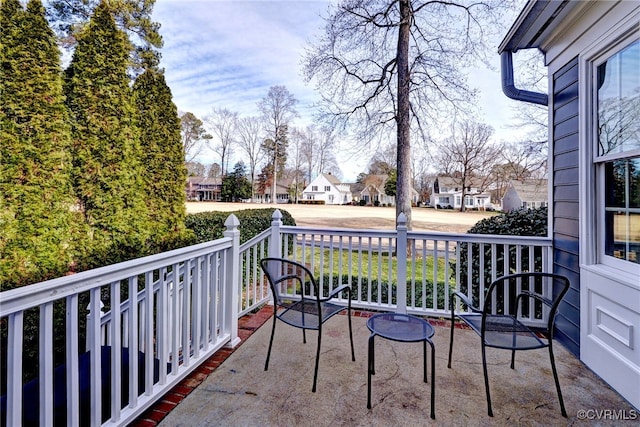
x,y
148,337
95,356
71,359
46,333
116,352
14,369
359,269
392,244
186,314
132,341
163,325
412,303
215,297
380,275
175,319
370,277
434,282
447,288
481,283
196,310
494,272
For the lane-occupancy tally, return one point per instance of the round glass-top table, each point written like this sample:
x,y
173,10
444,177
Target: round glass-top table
x,y
402,328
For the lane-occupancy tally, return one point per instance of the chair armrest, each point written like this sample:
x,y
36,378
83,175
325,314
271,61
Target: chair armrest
x,y
337,290
465,300
538,297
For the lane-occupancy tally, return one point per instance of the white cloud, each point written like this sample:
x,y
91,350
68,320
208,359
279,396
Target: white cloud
x,y
229,53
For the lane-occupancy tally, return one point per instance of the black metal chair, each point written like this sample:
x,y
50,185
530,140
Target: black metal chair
x,y
304,305
532,295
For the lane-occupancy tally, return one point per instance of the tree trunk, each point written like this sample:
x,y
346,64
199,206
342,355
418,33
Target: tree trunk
x,y
403,119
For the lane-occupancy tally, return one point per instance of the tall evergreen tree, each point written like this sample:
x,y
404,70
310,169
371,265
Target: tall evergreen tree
x,y
162,155
106,153
36,198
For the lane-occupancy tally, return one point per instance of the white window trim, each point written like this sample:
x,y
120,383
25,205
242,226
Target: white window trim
x,y
591,175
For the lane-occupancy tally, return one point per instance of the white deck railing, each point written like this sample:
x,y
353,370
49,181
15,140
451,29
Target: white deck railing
x,y
181,308
409,271
162,315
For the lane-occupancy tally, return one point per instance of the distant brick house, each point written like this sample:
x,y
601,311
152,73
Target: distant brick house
x,y
203,189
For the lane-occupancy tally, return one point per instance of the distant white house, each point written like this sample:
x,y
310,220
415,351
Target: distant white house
x,y
328,188
447,193
528,194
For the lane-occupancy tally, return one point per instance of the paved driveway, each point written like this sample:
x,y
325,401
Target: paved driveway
x,y
358,216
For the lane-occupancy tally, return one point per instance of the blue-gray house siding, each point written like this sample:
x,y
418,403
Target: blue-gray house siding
x,y
565,200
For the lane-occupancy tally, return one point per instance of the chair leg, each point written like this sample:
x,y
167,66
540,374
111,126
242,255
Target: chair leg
x,y
433,379
353,354
315,373
451,338
555,377
486,380
304,336
370,369
273,330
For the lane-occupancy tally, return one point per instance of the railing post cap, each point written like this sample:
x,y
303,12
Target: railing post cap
x,y
232,222
277,214
402,219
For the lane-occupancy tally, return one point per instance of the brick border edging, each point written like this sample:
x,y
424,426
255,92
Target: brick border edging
x,y
247,325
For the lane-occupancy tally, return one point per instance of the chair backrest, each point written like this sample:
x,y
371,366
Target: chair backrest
x,y
535,296
288,279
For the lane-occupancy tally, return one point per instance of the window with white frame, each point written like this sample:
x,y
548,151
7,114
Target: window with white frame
x,y
314,188
327,188
617,153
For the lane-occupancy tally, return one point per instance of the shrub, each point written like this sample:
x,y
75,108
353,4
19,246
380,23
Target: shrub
x,y
376,203
379,290
362,202
311,202
210,225
522,222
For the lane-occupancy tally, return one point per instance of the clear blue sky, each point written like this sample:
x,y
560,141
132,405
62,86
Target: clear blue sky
x,y
228,53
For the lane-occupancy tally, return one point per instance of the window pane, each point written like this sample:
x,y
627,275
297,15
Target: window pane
x,y
622,209
619,101
634,183
615,182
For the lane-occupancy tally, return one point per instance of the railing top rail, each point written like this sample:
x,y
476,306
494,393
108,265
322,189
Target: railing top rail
x,y
255,239
34,295
358,232
419,235
480,238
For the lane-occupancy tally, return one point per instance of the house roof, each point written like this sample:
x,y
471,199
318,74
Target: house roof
x,y
450,182
537,20
376,181
532,190
331,178
211,181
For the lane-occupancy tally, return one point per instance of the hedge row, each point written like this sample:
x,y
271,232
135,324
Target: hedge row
x,y
210,225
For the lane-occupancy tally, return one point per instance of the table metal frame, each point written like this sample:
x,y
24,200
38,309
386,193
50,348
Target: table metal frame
x,y
425,337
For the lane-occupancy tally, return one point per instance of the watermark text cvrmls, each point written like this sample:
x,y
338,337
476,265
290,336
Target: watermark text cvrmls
x,y
608,414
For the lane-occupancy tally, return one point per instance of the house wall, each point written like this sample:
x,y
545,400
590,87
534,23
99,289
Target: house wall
x,y
321,194
566,222
605,295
